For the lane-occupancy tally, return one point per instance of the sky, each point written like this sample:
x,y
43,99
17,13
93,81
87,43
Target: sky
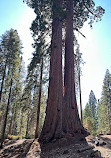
x,y
96,48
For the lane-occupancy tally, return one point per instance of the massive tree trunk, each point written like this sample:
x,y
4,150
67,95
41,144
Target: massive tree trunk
x,y
71,120
39,102
6,114
52,127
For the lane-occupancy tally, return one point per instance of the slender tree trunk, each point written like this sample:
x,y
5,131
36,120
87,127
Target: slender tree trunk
x,y
71,120
21,122
27,128
14,122
39,101
52,127
80,96
4,72
10,127
6,114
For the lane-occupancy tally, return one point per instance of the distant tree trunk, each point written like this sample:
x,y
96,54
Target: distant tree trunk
x,y
80,96
27,128
109,108
4,72
6,114
52,127
21,122
39,101
10,127
71,120
14,122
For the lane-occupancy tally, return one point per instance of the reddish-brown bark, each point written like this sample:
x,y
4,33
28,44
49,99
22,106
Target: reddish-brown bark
x,y
52,127
71,121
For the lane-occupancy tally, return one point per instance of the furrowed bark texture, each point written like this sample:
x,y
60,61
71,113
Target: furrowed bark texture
x,y
52,127
71,121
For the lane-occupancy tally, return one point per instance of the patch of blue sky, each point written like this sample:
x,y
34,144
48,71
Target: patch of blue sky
x,y
11,12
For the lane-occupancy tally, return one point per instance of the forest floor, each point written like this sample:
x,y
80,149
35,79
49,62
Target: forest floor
x,y
90,147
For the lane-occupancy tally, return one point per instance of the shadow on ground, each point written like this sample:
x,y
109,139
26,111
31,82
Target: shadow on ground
x,y
69,148
16,149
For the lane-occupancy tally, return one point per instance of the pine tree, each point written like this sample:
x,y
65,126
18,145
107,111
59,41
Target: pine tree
x,y
92,103
105,105
90,114
88,120
11,50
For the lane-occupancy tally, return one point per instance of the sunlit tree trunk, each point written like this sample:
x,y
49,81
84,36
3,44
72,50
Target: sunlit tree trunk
x,y
71,120
52,127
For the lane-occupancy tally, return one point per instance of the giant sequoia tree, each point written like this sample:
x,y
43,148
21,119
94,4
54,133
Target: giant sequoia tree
x,y
53,122
71,121
62,116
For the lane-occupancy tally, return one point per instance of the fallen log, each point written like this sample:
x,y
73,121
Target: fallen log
x,y
85,148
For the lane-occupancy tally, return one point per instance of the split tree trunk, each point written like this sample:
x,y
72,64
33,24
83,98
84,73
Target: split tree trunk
x,y
6,114
52,127
71,120
39,102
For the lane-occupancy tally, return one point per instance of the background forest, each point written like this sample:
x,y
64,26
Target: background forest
x,y
23,94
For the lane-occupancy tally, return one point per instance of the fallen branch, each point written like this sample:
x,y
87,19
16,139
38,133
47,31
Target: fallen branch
x,y
85,148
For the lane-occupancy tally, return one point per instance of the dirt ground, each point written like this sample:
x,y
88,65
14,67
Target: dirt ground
x,y
70,147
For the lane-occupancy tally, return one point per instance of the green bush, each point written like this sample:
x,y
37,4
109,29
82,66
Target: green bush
x,y
13,137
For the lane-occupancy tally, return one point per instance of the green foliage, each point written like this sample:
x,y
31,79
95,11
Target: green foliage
x,y
10,45
104,109
103,122
90,114
88,120
13,137
92,104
